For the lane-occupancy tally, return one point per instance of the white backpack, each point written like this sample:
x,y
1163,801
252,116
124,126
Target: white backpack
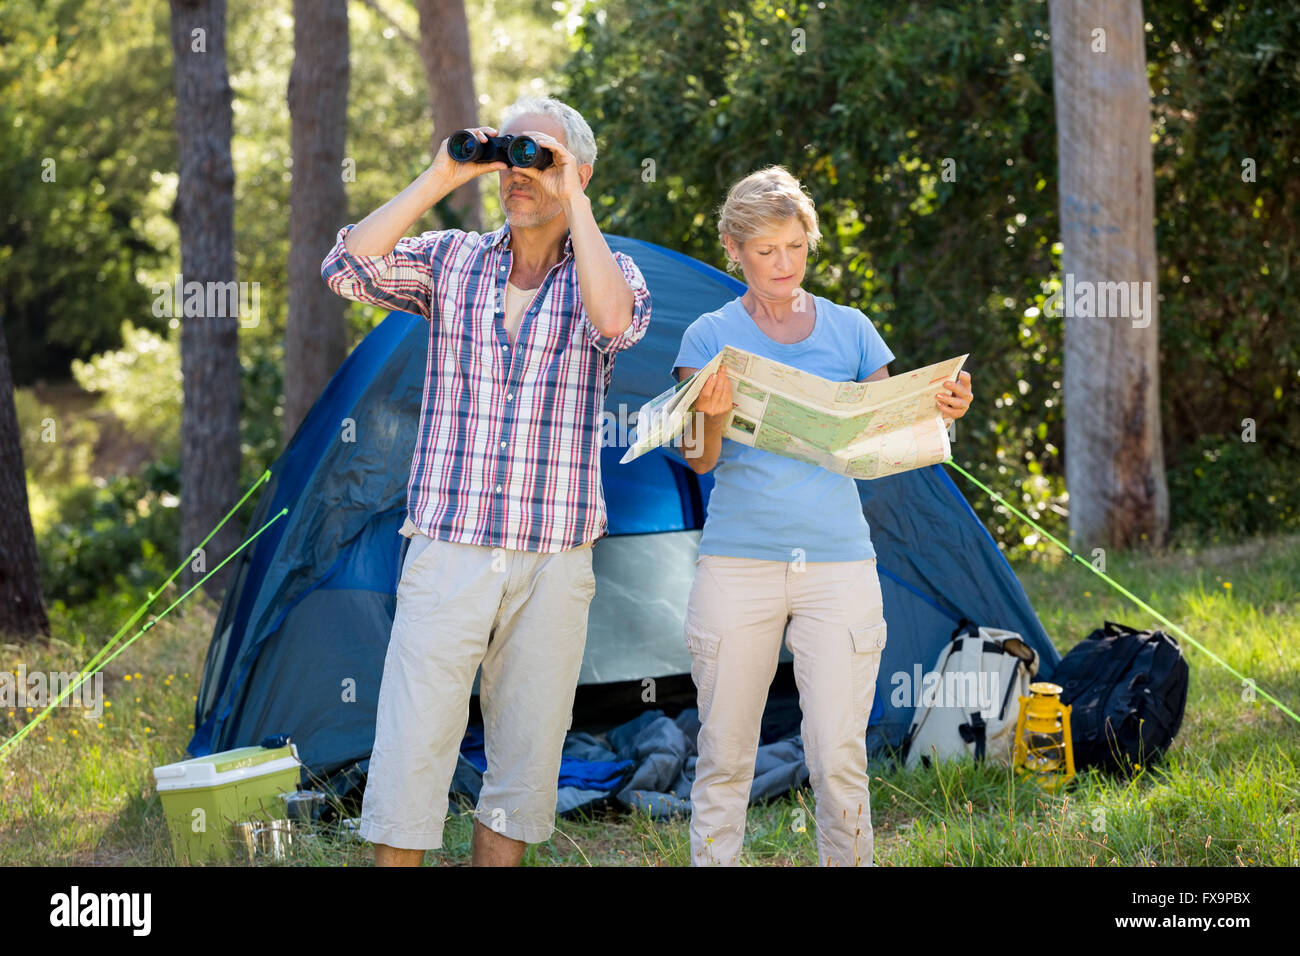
x,y
967,706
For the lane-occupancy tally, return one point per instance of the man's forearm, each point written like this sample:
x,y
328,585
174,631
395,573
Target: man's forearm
x,y
378,233
605,293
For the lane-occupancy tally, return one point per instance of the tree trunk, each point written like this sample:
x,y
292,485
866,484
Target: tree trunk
x,y
205,207
315,339
22,608
1114,464
444,49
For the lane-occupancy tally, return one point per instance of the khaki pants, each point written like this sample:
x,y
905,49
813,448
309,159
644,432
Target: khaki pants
x,y
523,616
737,612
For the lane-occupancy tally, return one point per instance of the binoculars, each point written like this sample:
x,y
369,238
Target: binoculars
x,y
464,147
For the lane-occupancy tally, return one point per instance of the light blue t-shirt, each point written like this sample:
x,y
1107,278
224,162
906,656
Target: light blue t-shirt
x,y
765,505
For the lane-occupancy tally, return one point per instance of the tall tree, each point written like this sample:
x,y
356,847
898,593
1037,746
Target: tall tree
x,y
1114,463
444,48
315,337
22,608
205,207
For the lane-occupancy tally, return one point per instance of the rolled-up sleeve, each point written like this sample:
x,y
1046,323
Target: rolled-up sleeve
x,y
640,312
405,279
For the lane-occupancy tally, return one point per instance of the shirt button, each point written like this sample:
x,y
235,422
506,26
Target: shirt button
x,y
510,396
498,489
503,444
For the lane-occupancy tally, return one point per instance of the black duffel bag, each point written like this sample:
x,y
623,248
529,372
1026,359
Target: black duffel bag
x,y
1128,689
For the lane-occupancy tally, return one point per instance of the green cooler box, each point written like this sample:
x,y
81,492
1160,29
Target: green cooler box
x,y
230,787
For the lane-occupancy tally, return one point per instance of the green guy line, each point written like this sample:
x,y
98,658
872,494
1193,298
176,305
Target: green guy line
x,y
1121,589
154,595
98,665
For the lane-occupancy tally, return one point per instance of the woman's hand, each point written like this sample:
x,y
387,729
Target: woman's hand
x,y
954,406
714,400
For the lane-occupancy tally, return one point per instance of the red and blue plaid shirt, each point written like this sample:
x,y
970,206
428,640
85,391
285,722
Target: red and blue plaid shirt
x,y
508,450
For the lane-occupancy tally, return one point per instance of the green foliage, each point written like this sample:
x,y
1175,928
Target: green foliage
x,y
53,453
1225,79
871,103
113,534
1226,84
140,384
82,128
98,536
1230,488
260,408
57,453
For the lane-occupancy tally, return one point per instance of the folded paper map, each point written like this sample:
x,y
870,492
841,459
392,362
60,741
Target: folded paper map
x,y
859,429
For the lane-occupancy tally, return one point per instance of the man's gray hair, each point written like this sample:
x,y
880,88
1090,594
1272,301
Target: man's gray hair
x,y
577,134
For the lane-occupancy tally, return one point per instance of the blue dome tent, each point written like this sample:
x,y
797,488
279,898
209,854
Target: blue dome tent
x,y
300,640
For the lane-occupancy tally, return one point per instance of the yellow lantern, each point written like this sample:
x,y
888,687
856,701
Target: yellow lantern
x,y
1043,747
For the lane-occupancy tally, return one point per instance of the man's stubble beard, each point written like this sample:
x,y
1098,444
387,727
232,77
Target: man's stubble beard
x,y
530,220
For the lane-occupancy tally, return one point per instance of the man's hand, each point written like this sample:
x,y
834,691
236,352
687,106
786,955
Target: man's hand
x,y
379,233
449,174
561,180
955,405
714,400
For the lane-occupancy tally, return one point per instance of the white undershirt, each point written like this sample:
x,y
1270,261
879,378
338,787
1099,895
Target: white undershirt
x,y
516,302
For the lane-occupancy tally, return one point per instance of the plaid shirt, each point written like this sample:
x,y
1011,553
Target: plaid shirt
x,y
508,450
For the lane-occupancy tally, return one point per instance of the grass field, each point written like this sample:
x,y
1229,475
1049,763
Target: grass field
x,y
80,790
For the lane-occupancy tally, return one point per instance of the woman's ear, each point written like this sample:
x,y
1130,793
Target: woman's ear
x,y
584,175
733,254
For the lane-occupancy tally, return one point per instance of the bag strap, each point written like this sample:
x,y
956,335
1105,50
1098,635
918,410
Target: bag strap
x,y
973,732
1113,629
922,713
1011,687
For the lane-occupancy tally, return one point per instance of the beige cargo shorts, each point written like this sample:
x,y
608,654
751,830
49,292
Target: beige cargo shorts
x,y
522,616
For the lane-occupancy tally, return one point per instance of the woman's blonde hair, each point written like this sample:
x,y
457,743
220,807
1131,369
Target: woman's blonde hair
x,y
763,202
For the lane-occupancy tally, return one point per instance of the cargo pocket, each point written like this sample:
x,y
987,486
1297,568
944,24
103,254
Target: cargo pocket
x,y
415,550
703,645
586,570
868,642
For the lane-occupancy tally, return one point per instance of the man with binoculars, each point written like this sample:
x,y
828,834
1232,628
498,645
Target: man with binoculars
x,y
504,499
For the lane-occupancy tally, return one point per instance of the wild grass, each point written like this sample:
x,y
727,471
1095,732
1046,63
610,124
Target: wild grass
x,y
80,791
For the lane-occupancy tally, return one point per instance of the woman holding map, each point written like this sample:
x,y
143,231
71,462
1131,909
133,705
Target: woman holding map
x,y
784,540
